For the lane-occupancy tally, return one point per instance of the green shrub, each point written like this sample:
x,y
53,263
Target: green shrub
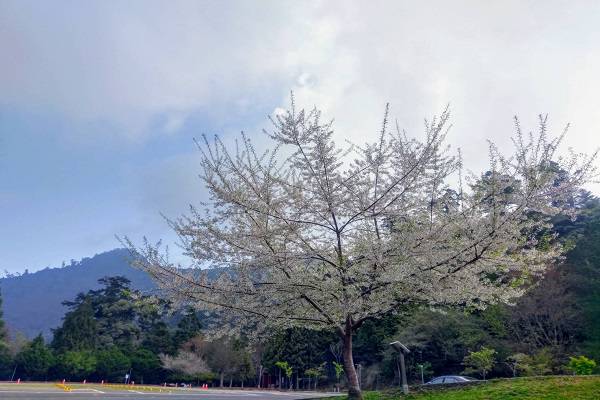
x,y
581,365
480,361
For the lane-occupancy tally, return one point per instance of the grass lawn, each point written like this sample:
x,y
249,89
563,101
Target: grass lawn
x,y
551,388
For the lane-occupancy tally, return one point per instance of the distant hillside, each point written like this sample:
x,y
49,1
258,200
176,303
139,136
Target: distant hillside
x,y
32,302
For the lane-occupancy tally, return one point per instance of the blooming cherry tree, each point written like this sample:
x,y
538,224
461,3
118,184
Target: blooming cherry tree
x,y
314,235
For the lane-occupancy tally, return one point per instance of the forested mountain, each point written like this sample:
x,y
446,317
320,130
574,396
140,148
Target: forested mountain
x,y
104,334
33,301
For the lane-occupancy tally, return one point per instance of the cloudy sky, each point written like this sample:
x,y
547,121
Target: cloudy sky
x,y
100,100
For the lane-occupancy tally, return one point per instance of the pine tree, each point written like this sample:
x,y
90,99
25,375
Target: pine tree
x,y
116,307
3,334
188,327
158,339
5,358
79,330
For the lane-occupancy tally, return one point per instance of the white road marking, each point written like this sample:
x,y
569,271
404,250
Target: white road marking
x,y
87,390
199,394
31,391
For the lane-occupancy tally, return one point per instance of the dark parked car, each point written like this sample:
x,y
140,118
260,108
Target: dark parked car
x,y
440,380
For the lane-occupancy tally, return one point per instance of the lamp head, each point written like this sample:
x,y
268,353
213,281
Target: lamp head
x,y
399,347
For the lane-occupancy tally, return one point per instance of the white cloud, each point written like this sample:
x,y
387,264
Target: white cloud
x,y
113,71
129,62
490,61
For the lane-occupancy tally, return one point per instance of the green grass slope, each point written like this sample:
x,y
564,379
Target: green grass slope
x,y
550,388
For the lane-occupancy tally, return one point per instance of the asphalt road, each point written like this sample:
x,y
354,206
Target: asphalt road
x,y
50,393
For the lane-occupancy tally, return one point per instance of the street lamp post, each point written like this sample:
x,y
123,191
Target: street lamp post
x,y
359,371
401,350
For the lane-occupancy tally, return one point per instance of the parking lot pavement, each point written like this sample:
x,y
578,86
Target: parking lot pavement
x,y
51,392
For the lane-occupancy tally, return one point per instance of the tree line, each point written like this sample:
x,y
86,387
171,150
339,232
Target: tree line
x,y
105,334
117,330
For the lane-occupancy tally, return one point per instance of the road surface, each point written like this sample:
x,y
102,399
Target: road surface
x,y
96,392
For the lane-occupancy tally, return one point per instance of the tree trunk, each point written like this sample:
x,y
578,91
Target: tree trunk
x,y
260,374
231,381
221,378
354,392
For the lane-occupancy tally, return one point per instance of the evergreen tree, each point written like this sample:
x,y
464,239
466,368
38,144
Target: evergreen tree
x,y
442,337
5,358
583,269
75,365
3,334
114,315
188,327
111,364
301,348
35,360
146,366
79,330
116,312
370,343
158,339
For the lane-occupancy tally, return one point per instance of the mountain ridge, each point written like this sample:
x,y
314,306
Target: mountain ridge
x,y
32,302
